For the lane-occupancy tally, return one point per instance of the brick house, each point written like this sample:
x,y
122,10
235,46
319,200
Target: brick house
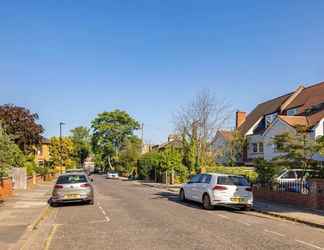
x,y
42,151
304,106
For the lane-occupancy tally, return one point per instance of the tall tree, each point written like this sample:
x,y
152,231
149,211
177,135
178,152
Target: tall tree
x,y
110,129
61,151
22,125
200,120
298,149
81,140
130,153
10,154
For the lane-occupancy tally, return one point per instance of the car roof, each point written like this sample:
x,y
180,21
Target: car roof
x,y
221,174
76,173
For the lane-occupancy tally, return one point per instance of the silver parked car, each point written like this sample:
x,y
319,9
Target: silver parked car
x,y
72,187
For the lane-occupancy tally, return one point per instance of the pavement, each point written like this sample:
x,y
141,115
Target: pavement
x,y
129,215
20,214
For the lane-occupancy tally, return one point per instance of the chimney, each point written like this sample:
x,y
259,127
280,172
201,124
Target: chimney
x,y
240,118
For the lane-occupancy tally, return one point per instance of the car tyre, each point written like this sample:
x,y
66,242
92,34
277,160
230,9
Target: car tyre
x,y
91,202
206,202
182,195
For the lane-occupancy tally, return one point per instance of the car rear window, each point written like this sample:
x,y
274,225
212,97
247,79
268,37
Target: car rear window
x,y
70,179
232,180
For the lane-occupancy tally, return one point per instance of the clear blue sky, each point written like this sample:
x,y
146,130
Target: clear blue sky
x,y
69,60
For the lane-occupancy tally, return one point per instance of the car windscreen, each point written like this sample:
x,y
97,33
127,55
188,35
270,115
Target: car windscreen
x,y
232,180
70,179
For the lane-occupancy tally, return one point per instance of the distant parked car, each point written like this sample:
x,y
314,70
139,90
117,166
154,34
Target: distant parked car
x,y
295,180
72,187
112,175
212,189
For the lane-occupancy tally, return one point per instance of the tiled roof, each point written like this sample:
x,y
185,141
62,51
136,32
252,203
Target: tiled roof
x,y
227,135
261,110
309,96
294,120
305,100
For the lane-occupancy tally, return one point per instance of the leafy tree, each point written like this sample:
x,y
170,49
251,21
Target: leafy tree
x,y
21,125
61,151
266,171
81,140
148,162
110,130
171,161
234,148
130,153
10,154
298,149
189,150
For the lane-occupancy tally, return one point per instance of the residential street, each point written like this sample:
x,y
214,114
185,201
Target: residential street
x,y
128,215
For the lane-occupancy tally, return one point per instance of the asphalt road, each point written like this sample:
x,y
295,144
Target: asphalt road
x,y
128,215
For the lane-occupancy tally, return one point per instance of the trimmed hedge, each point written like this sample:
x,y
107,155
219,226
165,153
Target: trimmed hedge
x,y
248,172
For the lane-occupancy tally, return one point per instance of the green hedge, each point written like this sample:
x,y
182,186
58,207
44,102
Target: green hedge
x,y
248,172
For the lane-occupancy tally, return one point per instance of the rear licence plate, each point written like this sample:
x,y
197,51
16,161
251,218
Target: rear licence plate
x,y
239,199
72,196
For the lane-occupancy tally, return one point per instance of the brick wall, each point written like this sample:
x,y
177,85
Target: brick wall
x,y
5,187
315,199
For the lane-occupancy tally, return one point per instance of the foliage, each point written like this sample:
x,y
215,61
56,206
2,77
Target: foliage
x,y
199,121
266,171
20,123
61,152
189,152
81,142
110,130
147,163
10,154
130,153
233,150
298,149
248,172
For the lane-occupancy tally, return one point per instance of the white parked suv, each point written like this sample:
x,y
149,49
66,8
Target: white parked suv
x,y
212,189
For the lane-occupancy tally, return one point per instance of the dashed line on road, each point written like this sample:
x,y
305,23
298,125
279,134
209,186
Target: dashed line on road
x,y
107,218
309,244
274,232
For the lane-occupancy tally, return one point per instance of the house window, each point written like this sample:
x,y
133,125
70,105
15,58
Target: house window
x,y
292,112
261,147
269,119
255,147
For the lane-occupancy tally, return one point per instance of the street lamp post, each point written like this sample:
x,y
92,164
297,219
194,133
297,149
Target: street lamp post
x,y
61,147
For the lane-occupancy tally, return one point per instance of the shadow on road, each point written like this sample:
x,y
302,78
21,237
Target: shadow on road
x,y
175,198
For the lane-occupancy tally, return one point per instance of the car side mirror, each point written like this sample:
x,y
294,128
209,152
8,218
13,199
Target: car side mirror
x,y
91,180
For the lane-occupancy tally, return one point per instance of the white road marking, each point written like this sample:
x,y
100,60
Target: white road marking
x,y
308,244
103,211
107,218
273,232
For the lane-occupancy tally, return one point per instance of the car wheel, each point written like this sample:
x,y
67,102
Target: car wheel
x,y
91,202
206,202
182,195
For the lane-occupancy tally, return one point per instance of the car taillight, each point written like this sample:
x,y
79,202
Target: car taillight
x,y
249,189
58,186
219,188
85,185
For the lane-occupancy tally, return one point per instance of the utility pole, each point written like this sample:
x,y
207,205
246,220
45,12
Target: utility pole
x,y
61,147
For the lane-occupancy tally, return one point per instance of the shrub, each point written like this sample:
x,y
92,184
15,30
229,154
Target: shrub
x,y
247,172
